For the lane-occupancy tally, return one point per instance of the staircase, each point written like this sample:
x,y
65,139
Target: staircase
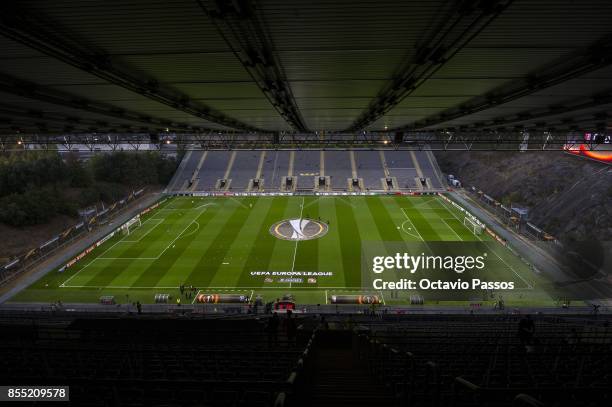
x,y
339,379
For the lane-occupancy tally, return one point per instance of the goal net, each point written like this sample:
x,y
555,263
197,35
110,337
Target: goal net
x,y
130,225
474,227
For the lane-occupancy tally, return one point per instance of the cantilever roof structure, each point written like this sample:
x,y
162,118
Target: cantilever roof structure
x,y
300,66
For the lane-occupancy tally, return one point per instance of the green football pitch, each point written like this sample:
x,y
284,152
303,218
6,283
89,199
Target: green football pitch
x,y
224,245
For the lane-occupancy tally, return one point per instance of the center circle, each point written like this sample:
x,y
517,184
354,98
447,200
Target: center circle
x,y
299,229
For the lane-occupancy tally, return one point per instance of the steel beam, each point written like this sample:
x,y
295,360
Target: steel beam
x,y
517,139
15,86
245,33
465,23
597,56
31,31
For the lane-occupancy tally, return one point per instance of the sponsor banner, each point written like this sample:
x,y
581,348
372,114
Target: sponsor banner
x,y
80,256
368,193
154,206
88,250
104,239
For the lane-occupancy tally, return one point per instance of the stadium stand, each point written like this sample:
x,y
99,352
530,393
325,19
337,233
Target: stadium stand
x,y
356,360
476,361
338,168
306,166
275,167
203,170
185,171
428,167
369,168
244,169
212,170
400,167
137,362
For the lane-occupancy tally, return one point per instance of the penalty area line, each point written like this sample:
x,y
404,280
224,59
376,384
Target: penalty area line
x,y
529,286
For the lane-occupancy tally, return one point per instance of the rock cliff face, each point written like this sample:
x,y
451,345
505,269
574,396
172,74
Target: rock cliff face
x,y
568,197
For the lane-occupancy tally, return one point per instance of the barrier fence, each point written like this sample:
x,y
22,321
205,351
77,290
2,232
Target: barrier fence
x,y
92,219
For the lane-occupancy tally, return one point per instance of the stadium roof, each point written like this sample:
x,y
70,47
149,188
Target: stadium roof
x,y
317,65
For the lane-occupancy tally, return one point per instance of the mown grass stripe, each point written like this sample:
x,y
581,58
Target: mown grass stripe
x,y
350,243
387,228
307,254
235,261
423,226
330,259
204,271
261,254
159,268
158,238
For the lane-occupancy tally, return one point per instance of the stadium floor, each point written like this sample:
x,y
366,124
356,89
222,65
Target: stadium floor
x,y
218,244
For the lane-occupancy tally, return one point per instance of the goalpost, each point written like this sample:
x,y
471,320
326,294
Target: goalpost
x,y
127,227
474,227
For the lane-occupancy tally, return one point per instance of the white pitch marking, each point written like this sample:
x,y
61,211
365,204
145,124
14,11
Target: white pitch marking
x,y
195,297
452,230
146,233
122,239
176,238
239,202
100,257
414,227
420,204
75,274
410,233
296,242
382,297
529,286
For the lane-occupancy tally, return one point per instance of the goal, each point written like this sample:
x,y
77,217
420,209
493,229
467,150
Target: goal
x,y
130,225
474,227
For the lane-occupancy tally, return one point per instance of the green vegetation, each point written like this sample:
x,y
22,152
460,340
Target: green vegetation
x,y
215,244
36,186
